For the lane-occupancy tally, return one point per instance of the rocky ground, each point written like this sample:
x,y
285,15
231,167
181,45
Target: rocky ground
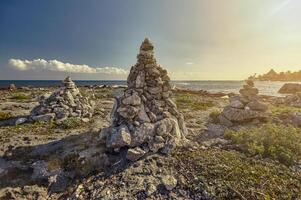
x,y
212,166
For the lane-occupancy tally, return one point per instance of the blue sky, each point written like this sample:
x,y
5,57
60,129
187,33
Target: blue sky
x,y
194,39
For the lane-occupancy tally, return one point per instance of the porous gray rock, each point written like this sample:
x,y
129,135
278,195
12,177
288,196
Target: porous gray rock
x,y
293,100
20,120
45,117
146,109
296,119
236,104
135,153
244,107
64,103
119,138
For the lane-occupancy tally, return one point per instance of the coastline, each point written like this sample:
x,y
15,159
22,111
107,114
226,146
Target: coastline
x,y
265,87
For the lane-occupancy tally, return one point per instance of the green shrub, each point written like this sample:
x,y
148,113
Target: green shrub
x,y
284,109
5,115
214,115
20,96
71,122
192,102
279,142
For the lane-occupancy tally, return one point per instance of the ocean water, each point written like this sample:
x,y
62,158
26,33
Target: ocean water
x,y
265,87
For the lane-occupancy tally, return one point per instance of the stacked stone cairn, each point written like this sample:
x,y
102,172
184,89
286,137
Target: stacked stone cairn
x,y
293,100
64,103
244,107
144,118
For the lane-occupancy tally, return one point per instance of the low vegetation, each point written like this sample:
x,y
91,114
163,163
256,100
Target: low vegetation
x,y
279,142
36,128
233,175
214,115
278,110
192,102
20,96
71,122
5,115
101,93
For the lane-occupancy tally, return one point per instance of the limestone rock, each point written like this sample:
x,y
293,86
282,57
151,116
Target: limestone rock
x,y
133,100
45,117
236,104
248,92
241,115
135,153
20,120
119,138
256,105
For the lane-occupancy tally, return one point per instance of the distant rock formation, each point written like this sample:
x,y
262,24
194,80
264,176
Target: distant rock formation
x,y
290,88
64,103
272,75
244,107
145,118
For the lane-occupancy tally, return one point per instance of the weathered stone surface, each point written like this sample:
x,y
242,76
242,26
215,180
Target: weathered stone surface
x,y
241,115
45,117
224,121
119,138
256,105
66,102
20,120
237,104
135,153
248,92
133,100
142,133
146,109
169,182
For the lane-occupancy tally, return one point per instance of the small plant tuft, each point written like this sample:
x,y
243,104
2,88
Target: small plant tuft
x,y
192,102
69,123
20,96
5,116
214,115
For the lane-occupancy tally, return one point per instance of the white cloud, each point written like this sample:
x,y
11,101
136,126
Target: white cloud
x,y
55,65
189,63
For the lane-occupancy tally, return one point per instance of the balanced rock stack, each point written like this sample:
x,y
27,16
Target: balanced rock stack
x,y
244,107
64,103
293,100
144,118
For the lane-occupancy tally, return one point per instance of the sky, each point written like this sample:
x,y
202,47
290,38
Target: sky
x,y
194,39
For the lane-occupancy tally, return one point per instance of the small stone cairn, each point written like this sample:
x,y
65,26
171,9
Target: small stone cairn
x,y
293,100
144,118
244,107
64,103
